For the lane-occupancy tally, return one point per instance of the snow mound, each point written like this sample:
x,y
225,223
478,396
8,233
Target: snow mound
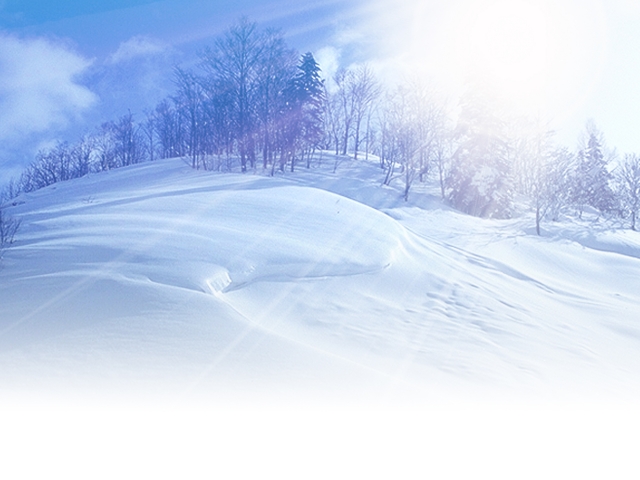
x,y
131,267
161,275
202,233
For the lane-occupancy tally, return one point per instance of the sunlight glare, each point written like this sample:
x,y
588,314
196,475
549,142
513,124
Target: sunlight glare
x,y
508,41
535,57
507,44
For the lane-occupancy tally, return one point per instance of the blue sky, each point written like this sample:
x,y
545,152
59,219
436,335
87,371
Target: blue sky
x,y
66,66
21,13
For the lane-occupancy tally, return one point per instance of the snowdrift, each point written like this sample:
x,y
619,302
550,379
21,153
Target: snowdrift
x,y
161,278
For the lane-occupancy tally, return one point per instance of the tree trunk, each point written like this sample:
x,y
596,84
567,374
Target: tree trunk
x,y
357,141
265,149
441,175
346,139
409,176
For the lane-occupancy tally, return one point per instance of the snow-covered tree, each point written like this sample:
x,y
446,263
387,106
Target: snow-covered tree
x,y
442,152
550,180
591,176
480,179
628,180
405,135
410,125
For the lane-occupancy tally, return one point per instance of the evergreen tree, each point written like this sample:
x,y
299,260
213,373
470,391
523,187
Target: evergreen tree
x,y
309,88
480,179
591,185
628,177
549,180
302,111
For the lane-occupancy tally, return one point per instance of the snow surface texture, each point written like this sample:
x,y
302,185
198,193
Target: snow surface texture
x,y
160,278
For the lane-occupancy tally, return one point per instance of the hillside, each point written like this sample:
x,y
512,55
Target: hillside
x,y
159,278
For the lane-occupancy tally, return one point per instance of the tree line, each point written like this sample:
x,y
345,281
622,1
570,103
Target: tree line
x,y
255,103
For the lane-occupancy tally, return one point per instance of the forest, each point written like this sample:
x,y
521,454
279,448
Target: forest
x,y
255,104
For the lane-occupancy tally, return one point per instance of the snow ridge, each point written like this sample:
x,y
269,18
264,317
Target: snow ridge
x,y
157,274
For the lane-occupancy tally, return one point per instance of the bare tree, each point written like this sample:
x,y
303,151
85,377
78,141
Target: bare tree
x,y
169,130
233,63
10,191
218,111
548,176
442,151
49,167
275,67
104,148
343,81
410,129
8,228
364,89
148,131
189,102
127,141
82,153
333,118
386,148
357,89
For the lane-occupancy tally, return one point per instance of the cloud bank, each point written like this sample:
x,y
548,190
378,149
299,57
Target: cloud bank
x,y
40,87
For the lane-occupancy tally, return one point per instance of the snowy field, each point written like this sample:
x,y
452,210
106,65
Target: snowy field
x,y
313,288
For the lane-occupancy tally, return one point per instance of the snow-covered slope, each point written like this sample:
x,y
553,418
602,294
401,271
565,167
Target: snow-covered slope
x,y
160,278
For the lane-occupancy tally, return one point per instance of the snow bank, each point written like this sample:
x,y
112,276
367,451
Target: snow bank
x,y
125,271
157,277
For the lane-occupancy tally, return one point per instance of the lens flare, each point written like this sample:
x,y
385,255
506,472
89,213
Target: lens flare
x,y
508,44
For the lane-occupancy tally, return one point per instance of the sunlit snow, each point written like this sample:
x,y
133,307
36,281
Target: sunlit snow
x,y
164,278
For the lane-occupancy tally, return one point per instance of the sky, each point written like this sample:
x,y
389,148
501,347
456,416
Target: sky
x,y
67,66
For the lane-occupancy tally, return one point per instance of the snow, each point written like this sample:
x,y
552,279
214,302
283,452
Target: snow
x,y
158,273
158,280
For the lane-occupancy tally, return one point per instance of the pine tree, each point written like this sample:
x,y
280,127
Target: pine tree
x,y
302,110
591,186
310,92
549,180
628,177
480,180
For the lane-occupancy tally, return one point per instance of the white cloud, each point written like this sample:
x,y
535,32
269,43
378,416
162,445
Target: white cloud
x,y
329,60
39,89
136,47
